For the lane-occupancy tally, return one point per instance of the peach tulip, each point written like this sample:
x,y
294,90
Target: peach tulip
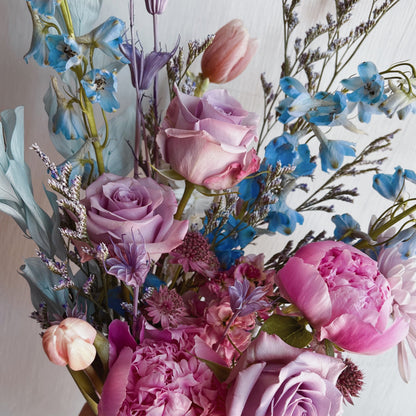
x,y
229,54
70,343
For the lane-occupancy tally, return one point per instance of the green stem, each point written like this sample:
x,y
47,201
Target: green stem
x,y
66,14
189,188
201,87
392,222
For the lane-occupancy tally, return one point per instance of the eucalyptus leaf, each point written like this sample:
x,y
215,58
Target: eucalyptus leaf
x,y
118,158
41,281
290,329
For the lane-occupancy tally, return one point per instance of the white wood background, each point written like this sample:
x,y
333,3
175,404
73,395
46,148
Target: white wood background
x,y
29,384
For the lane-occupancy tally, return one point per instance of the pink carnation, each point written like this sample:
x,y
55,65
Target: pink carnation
x,y
161,376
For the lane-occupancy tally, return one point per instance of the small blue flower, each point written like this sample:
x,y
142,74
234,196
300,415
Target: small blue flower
x,y
67,119
368,90
345,225
327,108
45,7
64,52
100,86
391,186
38,48
332,153
286,150
147,66
108,37
283,219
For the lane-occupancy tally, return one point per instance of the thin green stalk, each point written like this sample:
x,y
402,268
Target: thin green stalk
x,y
189,188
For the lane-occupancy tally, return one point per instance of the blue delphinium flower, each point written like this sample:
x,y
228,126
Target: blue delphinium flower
x,y
286,150
297,102
230,239
38,48
107,37
282,218
64,52
67,119
345,225
100,86
147,66
326,108
390,186
46,7
332,152
367,90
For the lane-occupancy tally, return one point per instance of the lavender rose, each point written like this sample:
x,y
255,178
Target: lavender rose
x,y
273,378
133,210
207,140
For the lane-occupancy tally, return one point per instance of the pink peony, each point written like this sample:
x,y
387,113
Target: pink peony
x,y
207,140
229,54
343,295
70,343
161,376
119,207
273,378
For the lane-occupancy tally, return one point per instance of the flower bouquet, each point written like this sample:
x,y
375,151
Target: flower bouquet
x,y
148,281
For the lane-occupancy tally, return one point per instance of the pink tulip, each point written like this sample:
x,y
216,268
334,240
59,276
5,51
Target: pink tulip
x,y
70,343
156,6
346,299
229,54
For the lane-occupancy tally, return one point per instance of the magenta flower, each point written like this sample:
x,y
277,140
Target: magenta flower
x,y
273,378
343,295
208,140
160,376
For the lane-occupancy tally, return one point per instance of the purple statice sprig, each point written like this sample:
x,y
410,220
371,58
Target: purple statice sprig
x,y
70,189
58,268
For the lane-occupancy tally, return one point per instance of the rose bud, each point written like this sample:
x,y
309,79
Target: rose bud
x,y
70,343
229,53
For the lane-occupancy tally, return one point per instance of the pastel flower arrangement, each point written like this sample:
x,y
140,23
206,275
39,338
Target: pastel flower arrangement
x,y
156,306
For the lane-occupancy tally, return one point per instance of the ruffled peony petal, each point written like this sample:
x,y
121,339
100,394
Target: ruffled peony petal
x,y
114,390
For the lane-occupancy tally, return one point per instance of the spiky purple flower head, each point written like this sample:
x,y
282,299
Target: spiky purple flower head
x,y
243,301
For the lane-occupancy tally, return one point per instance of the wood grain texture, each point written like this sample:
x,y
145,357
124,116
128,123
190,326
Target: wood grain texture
x,y
29,384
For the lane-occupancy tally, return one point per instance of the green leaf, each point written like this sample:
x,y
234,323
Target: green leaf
x,y
219,370
290,329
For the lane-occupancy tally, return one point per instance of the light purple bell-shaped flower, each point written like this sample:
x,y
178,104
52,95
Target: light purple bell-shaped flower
x,y
156,6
